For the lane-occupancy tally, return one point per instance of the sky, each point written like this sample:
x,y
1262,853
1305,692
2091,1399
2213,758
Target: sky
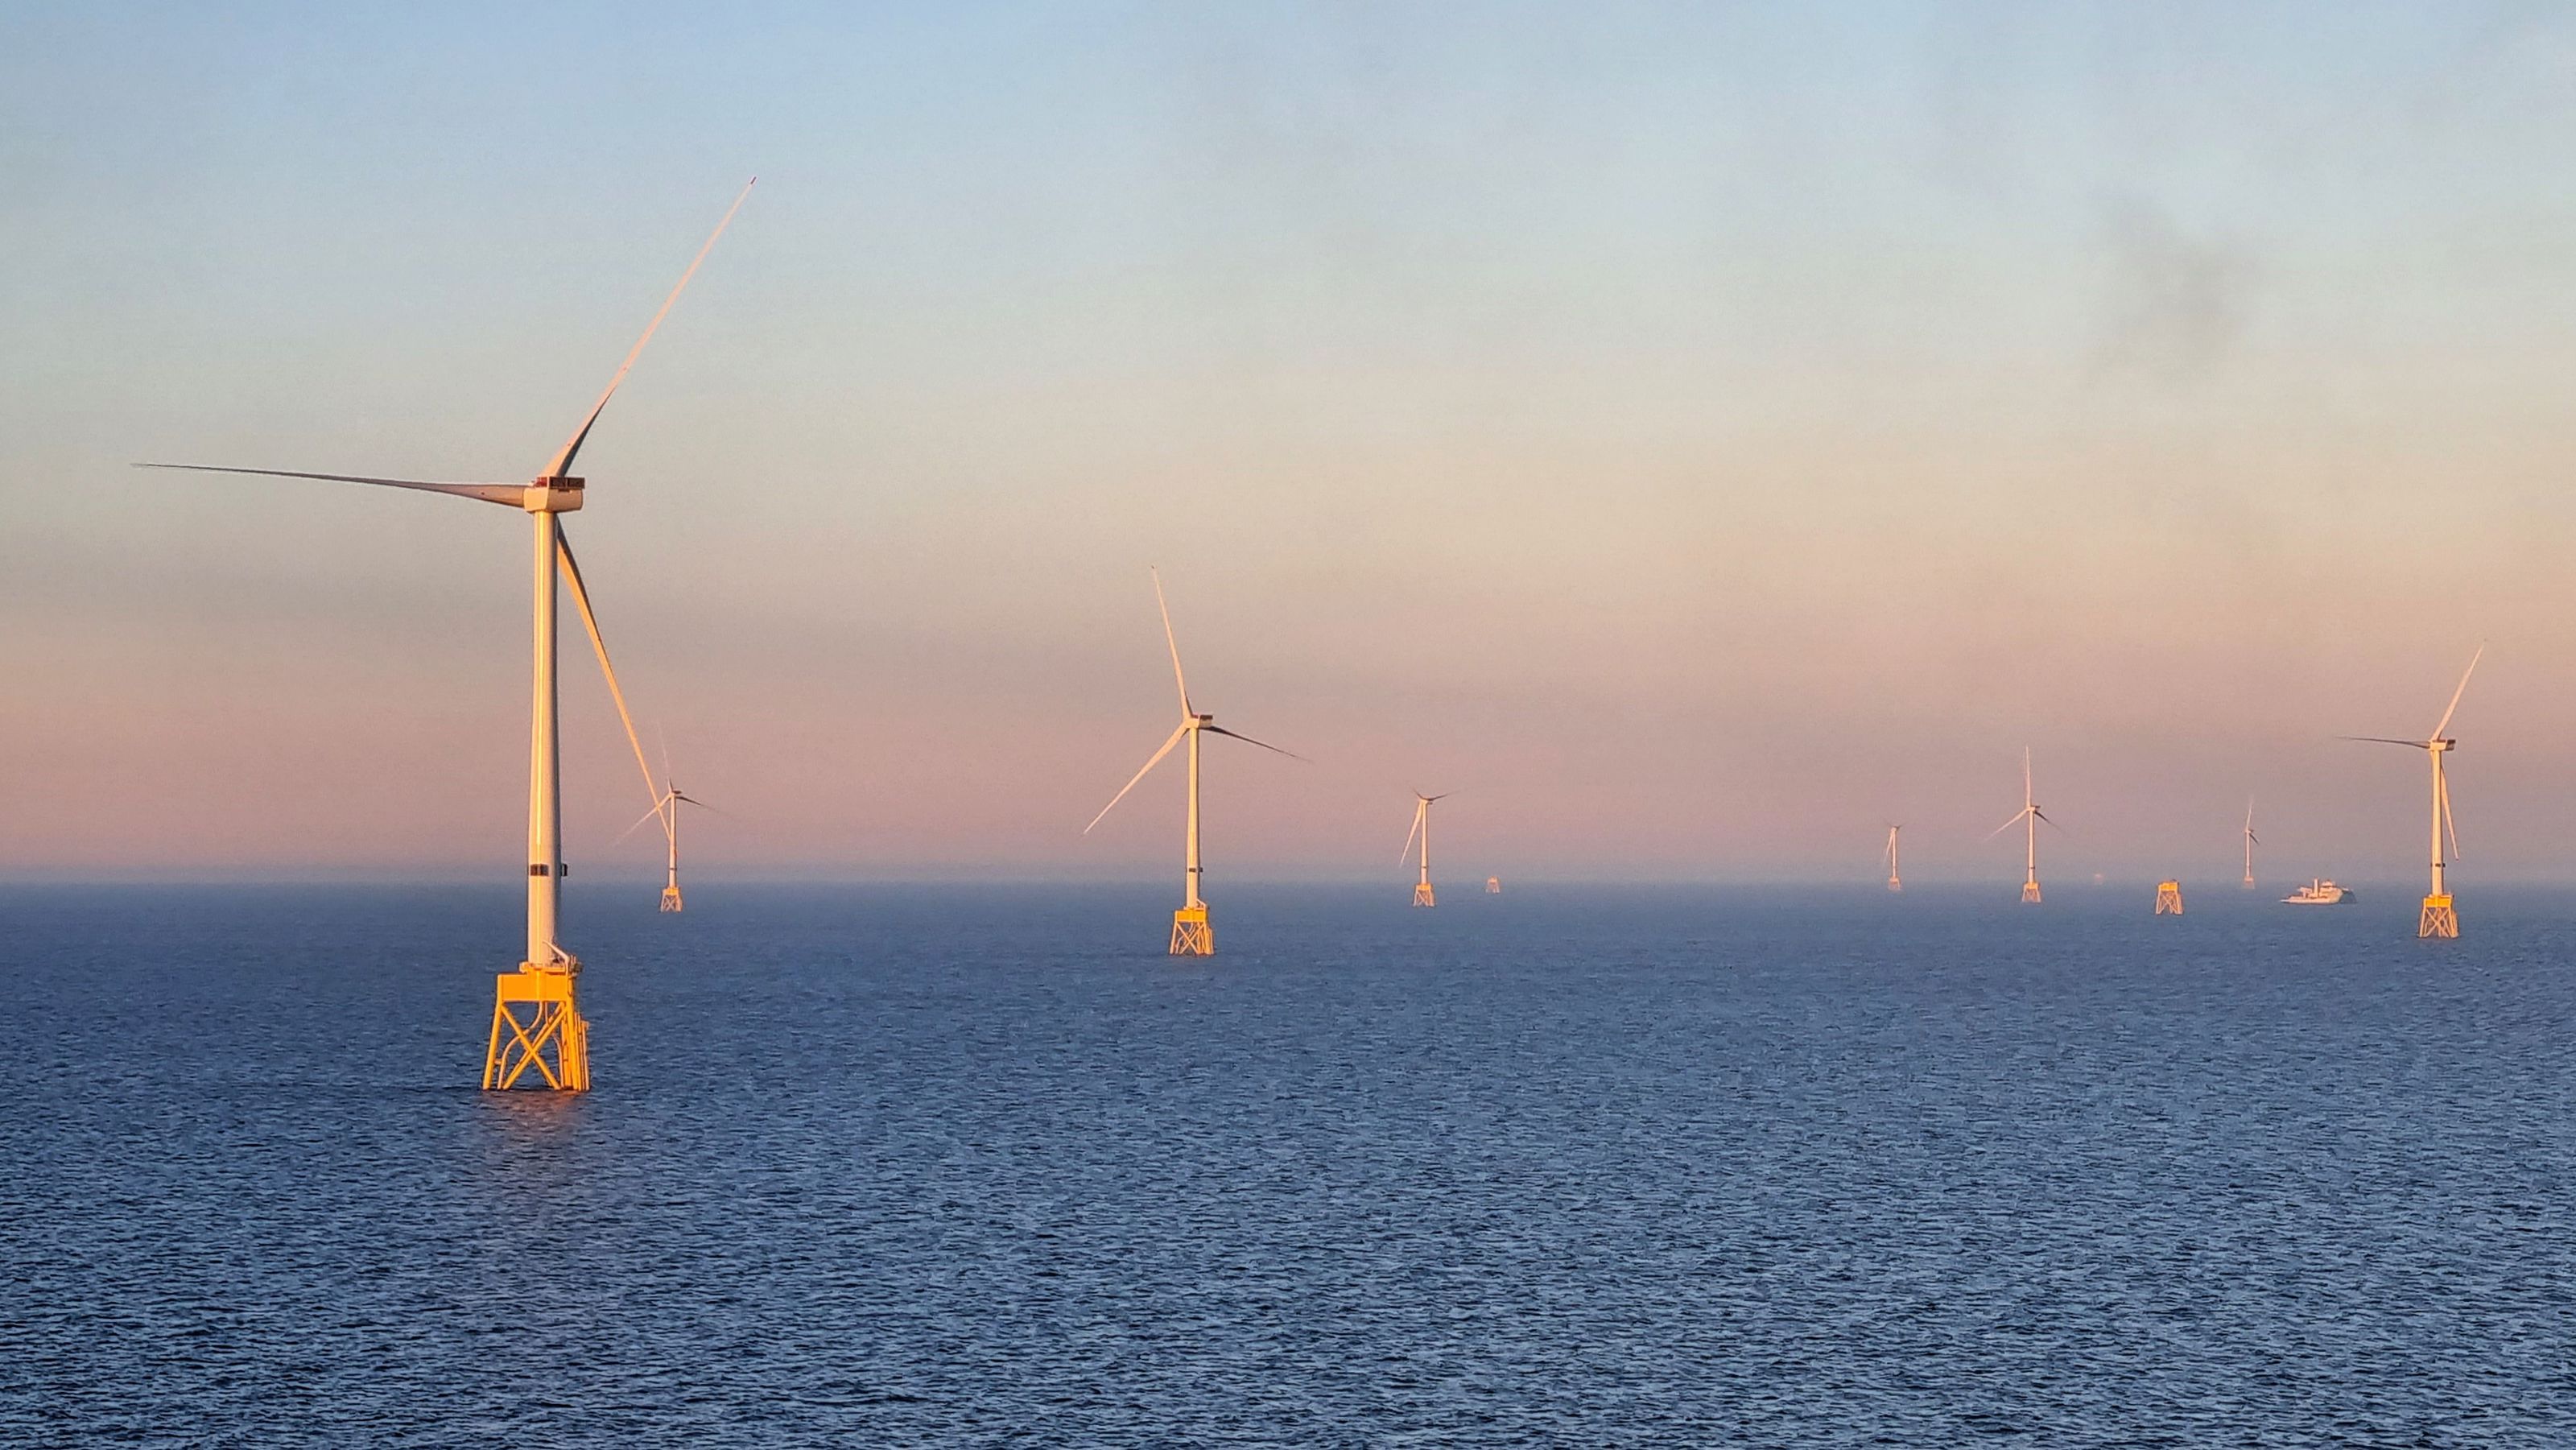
x,y
1697,436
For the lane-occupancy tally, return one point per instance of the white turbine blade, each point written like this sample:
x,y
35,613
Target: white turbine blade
x,y
2449,824
1410,832
1177,677
509,493
564,459
1248,740
2383,740
590,623
2008,825
2462,690
1140,775
651,815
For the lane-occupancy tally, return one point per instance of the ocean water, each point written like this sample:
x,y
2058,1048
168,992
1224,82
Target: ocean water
x,y
1570,1166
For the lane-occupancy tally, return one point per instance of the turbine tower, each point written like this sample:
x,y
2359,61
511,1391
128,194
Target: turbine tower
x,y
1895,878
1421,826
2439,918
1191,935
2028,818
2251,841
551,1036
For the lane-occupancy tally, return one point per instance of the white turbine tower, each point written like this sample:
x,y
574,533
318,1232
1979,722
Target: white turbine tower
x,y
2439,918
1895,878
2251,841
1191,935
1421,827
553,1038
2028,818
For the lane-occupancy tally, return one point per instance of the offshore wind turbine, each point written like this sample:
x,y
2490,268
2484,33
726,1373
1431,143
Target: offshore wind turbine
x,y
2028,818
552,1037
667,811
2439,918
1895,878
1422,826
2251,841
1191,934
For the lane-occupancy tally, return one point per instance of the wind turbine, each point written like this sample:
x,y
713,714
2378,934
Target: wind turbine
x,y
2439,918
1895,878
2251,841
553,1038
667,811
2028,818
1191,935
1422,827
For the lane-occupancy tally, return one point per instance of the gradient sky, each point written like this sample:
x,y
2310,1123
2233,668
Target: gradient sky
x,y
1695,435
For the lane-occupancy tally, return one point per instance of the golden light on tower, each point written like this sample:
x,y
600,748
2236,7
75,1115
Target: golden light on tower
x,y
536,1011
1192,935
2440,918
1422,894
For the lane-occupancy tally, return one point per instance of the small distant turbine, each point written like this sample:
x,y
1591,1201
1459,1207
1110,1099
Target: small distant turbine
x,y
2029,818
2251,841
1422,827
552,1038
667,811
2439,918
1895,878
1191,934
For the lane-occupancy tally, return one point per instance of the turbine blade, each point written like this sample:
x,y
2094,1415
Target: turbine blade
x,y
1410,832
599,646
508,493
2042,817
564,459
1248,740
2385,740
2462,690
701,805
2257,840
2449,823
2008,825
654,814
1140,775
1177,677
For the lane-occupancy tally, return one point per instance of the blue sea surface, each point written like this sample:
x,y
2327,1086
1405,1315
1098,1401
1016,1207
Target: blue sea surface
x,y
1562,1166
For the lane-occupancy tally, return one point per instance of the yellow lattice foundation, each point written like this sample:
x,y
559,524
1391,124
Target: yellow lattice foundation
x,y
536,1022
2169,898
2438,919
1191,934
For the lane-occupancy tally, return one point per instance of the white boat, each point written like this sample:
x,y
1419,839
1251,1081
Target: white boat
x,y
2321,893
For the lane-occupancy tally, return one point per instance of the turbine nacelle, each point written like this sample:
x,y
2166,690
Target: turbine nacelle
x,y
552,496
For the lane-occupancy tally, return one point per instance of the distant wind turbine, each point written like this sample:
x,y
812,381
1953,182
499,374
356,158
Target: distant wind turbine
x,y
2439,917
2028,818
1421,826
2251,841
553,1038
1191,934
666,809
1895,878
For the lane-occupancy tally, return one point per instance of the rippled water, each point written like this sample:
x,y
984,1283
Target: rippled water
x,y
895,1166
